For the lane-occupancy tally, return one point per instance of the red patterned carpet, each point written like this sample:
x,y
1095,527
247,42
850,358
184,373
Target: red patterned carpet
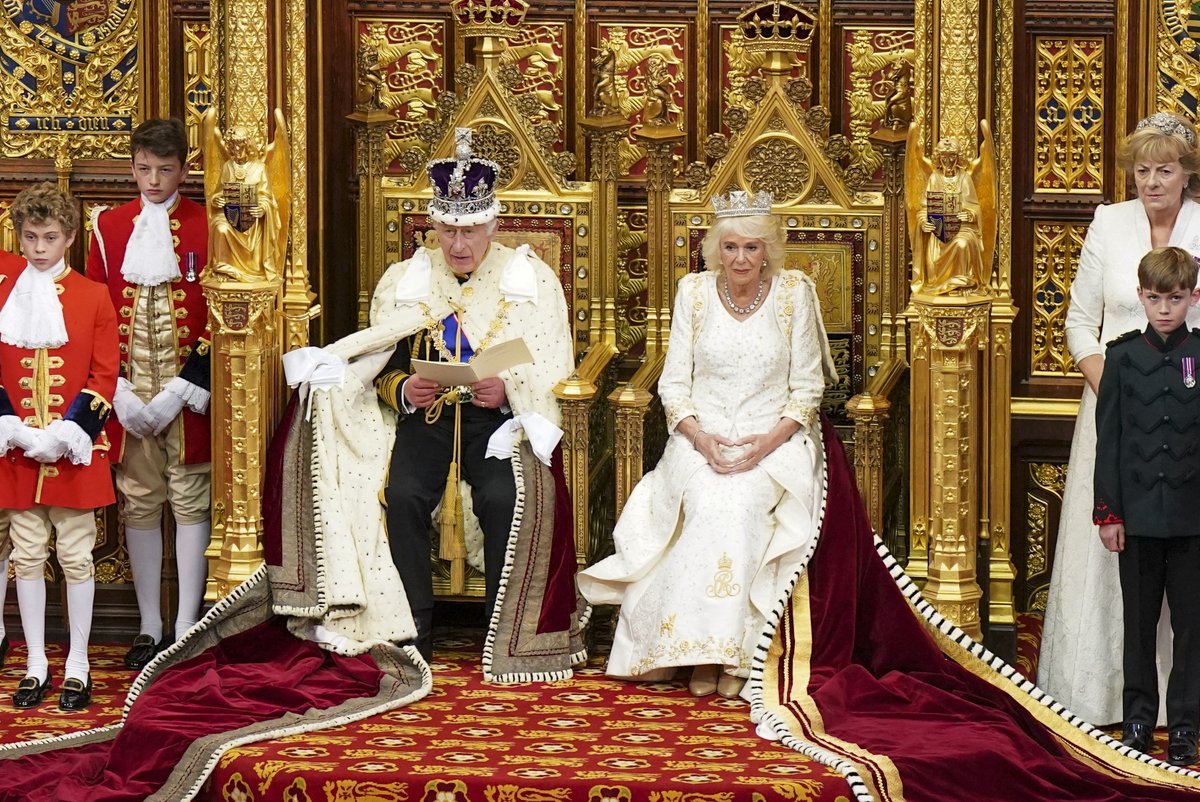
x,y
589,739
110,683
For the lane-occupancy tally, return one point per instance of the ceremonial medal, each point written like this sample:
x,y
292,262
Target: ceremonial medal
x,y
1188,366
191,267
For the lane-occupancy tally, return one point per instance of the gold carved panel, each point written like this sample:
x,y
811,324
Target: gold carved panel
x,y
1047,481
633,269
878,63
958,95
1056,248
737,65
74,68
410,57
8,236
830,266
650,60
199,81
1178,79
1069,115
536,62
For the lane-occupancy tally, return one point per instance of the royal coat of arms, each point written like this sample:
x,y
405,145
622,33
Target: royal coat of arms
x,y
70,67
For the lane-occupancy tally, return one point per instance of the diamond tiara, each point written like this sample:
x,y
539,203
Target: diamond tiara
x,y
1168,124
740,203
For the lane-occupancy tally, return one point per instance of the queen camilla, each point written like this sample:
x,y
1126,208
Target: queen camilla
x,y
709,540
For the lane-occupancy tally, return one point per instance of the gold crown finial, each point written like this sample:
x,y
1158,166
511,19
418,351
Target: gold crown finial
x,y
501,18
777,25
739,203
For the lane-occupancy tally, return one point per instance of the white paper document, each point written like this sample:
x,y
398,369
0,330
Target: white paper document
x,y
489,362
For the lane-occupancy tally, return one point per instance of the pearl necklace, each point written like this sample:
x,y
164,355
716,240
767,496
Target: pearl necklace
x,y
740,309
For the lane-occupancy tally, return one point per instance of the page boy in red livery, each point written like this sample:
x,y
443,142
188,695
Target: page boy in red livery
x,y
58,372
149,252
11,266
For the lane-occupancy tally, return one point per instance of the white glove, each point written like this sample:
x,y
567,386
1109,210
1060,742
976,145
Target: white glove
x,y
128,408
15,434
161,410
47,447
62,438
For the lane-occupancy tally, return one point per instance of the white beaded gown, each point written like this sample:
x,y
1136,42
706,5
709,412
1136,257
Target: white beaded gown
x,y
1082,642
701,557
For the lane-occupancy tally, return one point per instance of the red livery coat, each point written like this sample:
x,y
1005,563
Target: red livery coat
x,y
78,383
11,265
189,230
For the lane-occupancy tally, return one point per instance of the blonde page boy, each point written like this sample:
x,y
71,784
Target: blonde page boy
x,y
58,372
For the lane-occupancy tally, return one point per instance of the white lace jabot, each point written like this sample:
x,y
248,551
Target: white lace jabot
x,y
150,257
33,315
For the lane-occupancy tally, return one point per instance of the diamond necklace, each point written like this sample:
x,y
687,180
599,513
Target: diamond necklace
x,y
743,310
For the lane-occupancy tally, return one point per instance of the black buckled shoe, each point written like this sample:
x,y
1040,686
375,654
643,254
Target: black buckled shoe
x,y
3,650
1137,736
76,695
30,692
1181,748
142,652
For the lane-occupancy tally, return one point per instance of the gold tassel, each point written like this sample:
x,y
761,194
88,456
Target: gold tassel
x,y
452,545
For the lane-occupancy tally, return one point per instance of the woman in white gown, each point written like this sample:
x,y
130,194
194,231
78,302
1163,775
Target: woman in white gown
x,y
1080,659
709,539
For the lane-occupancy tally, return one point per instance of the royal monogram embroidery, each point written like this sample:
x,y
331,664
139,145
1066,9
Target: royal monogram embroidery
x,y
723,586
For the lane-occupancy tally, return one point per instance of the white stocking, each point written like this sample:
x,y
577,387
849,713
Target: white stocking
x,y
145,558
31,599
3,593
79,615
190,542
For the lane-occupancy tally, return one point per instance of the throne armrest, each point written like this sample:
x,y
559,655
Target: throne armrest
x,y
576,396
631,403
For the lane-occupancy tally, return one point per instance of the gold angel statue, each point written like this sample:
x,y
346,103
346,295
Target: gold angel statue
x,y
249,198
951,215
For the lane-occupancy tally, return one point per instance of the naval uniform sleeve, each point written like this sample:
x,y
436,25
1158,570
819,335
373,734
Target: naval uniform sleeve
x,y
389,384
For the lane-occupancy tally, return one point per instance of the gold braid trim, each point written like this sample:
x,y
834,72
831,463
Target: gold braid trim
x,y
387,386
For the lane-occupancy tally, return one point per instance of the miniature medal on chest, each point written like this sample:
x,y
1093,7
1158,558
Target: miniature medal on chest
x,y
1187,365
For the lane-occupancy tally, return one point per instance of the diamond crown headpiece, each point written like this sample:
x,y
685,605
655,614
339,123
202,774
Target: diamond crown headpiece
x,y
1168,124
740,203
464,185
